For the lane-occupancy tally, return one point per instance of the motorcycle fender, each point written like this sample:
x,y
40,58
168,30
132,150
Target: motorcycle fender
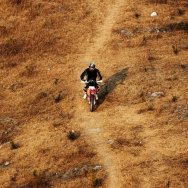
x,y
92,91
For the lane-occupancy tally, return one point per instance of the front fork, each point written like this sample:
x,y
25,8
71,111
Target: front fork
x,y
88,94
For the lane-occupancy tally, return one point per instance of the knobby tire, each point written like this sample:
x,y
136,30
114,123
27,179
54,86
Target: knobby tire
x,y
92,103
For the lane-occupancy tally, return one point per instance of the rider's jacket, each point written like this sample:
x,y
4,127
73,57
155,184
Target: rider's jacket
x,y
91,74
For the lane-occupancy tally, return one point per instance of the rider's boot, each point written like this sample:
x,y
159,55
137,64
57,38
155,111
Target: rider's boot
x,y
85,96
96,96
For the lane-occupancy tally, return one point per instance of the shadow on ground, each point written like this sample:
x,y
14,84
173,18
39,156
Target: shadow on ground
x,y
110,84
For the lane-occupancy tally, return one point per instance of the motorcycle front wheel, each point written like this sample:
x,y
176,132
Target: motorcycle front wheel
x,y
92,103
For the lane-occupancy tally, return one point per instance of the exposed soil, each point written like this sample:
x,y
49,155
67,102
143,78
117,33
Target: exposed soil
x,y
137,134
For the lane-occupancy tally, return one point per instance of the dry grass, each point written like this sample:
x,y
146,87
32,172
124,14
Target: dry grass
x,y
41,43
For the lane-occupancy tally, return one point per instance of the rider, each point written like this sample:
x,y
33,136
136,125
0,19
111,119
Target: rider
x,y
92,73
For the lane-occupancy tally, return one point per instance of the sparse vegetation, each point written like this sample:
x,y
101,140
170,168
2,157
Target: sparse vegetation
x,y
14,145
43,48
35,173
97,182
143,40
30,69
175,49
58,98
174,98
73,135
181,12
150,105
56,81
183,66
137,15
159,1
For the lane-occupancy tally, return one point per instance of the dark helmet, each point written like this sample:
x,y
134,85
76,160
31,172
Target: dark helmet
x,y
92,64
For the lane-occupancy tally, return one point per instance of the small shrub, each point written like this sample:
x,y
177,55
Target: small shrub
x,y
137,15
13,178
168,183
143,40
97,182
35,173
175,49
143,99
142,96
181,12
183,66
151,58
12,46
42,95
141,111
5,137
58,98
56,81
175,77
30,70
56,124
14,145
17,2
145,69
122,141
73,135
12,39
160,1
3,30
174,98
39,181
150,105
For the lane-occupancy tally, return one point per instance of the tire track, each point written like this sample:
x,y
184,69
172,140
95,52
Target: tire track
x,y
104,31
90,121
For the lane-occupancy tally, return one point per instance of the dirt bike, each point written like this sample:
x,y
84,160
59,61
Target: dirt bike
x,y
91,92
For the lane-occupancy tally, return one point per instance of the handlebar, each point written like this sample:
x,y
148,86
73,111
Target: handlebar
x,y
88,82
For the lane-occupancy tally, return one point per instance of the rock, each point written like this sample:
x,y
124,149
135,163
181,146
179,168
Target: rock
x,y
157,94
79,171
128,34
7,163
184,116
97,167
60,7
95,130
8,119
110,141
154,14
150,30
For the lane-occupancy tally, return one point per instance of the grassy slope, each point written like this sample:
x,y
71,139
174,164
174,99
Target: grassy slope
x,y
152,66
39,43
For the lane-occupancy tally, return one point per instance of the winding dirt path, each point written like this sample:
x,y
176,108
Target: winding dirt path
x,y
104,31
92,123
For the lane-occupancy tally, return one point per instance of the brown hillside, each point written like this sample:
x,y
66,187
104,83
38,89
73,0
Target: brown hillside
x,y
137,134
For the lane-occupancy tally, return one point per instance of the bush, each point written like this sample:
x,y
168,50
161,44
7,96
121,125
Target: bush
x,y
73,135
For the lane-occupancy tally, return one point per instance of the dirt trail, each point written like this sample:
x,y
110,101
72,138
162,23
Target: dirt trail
x,y
104,31
92,123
